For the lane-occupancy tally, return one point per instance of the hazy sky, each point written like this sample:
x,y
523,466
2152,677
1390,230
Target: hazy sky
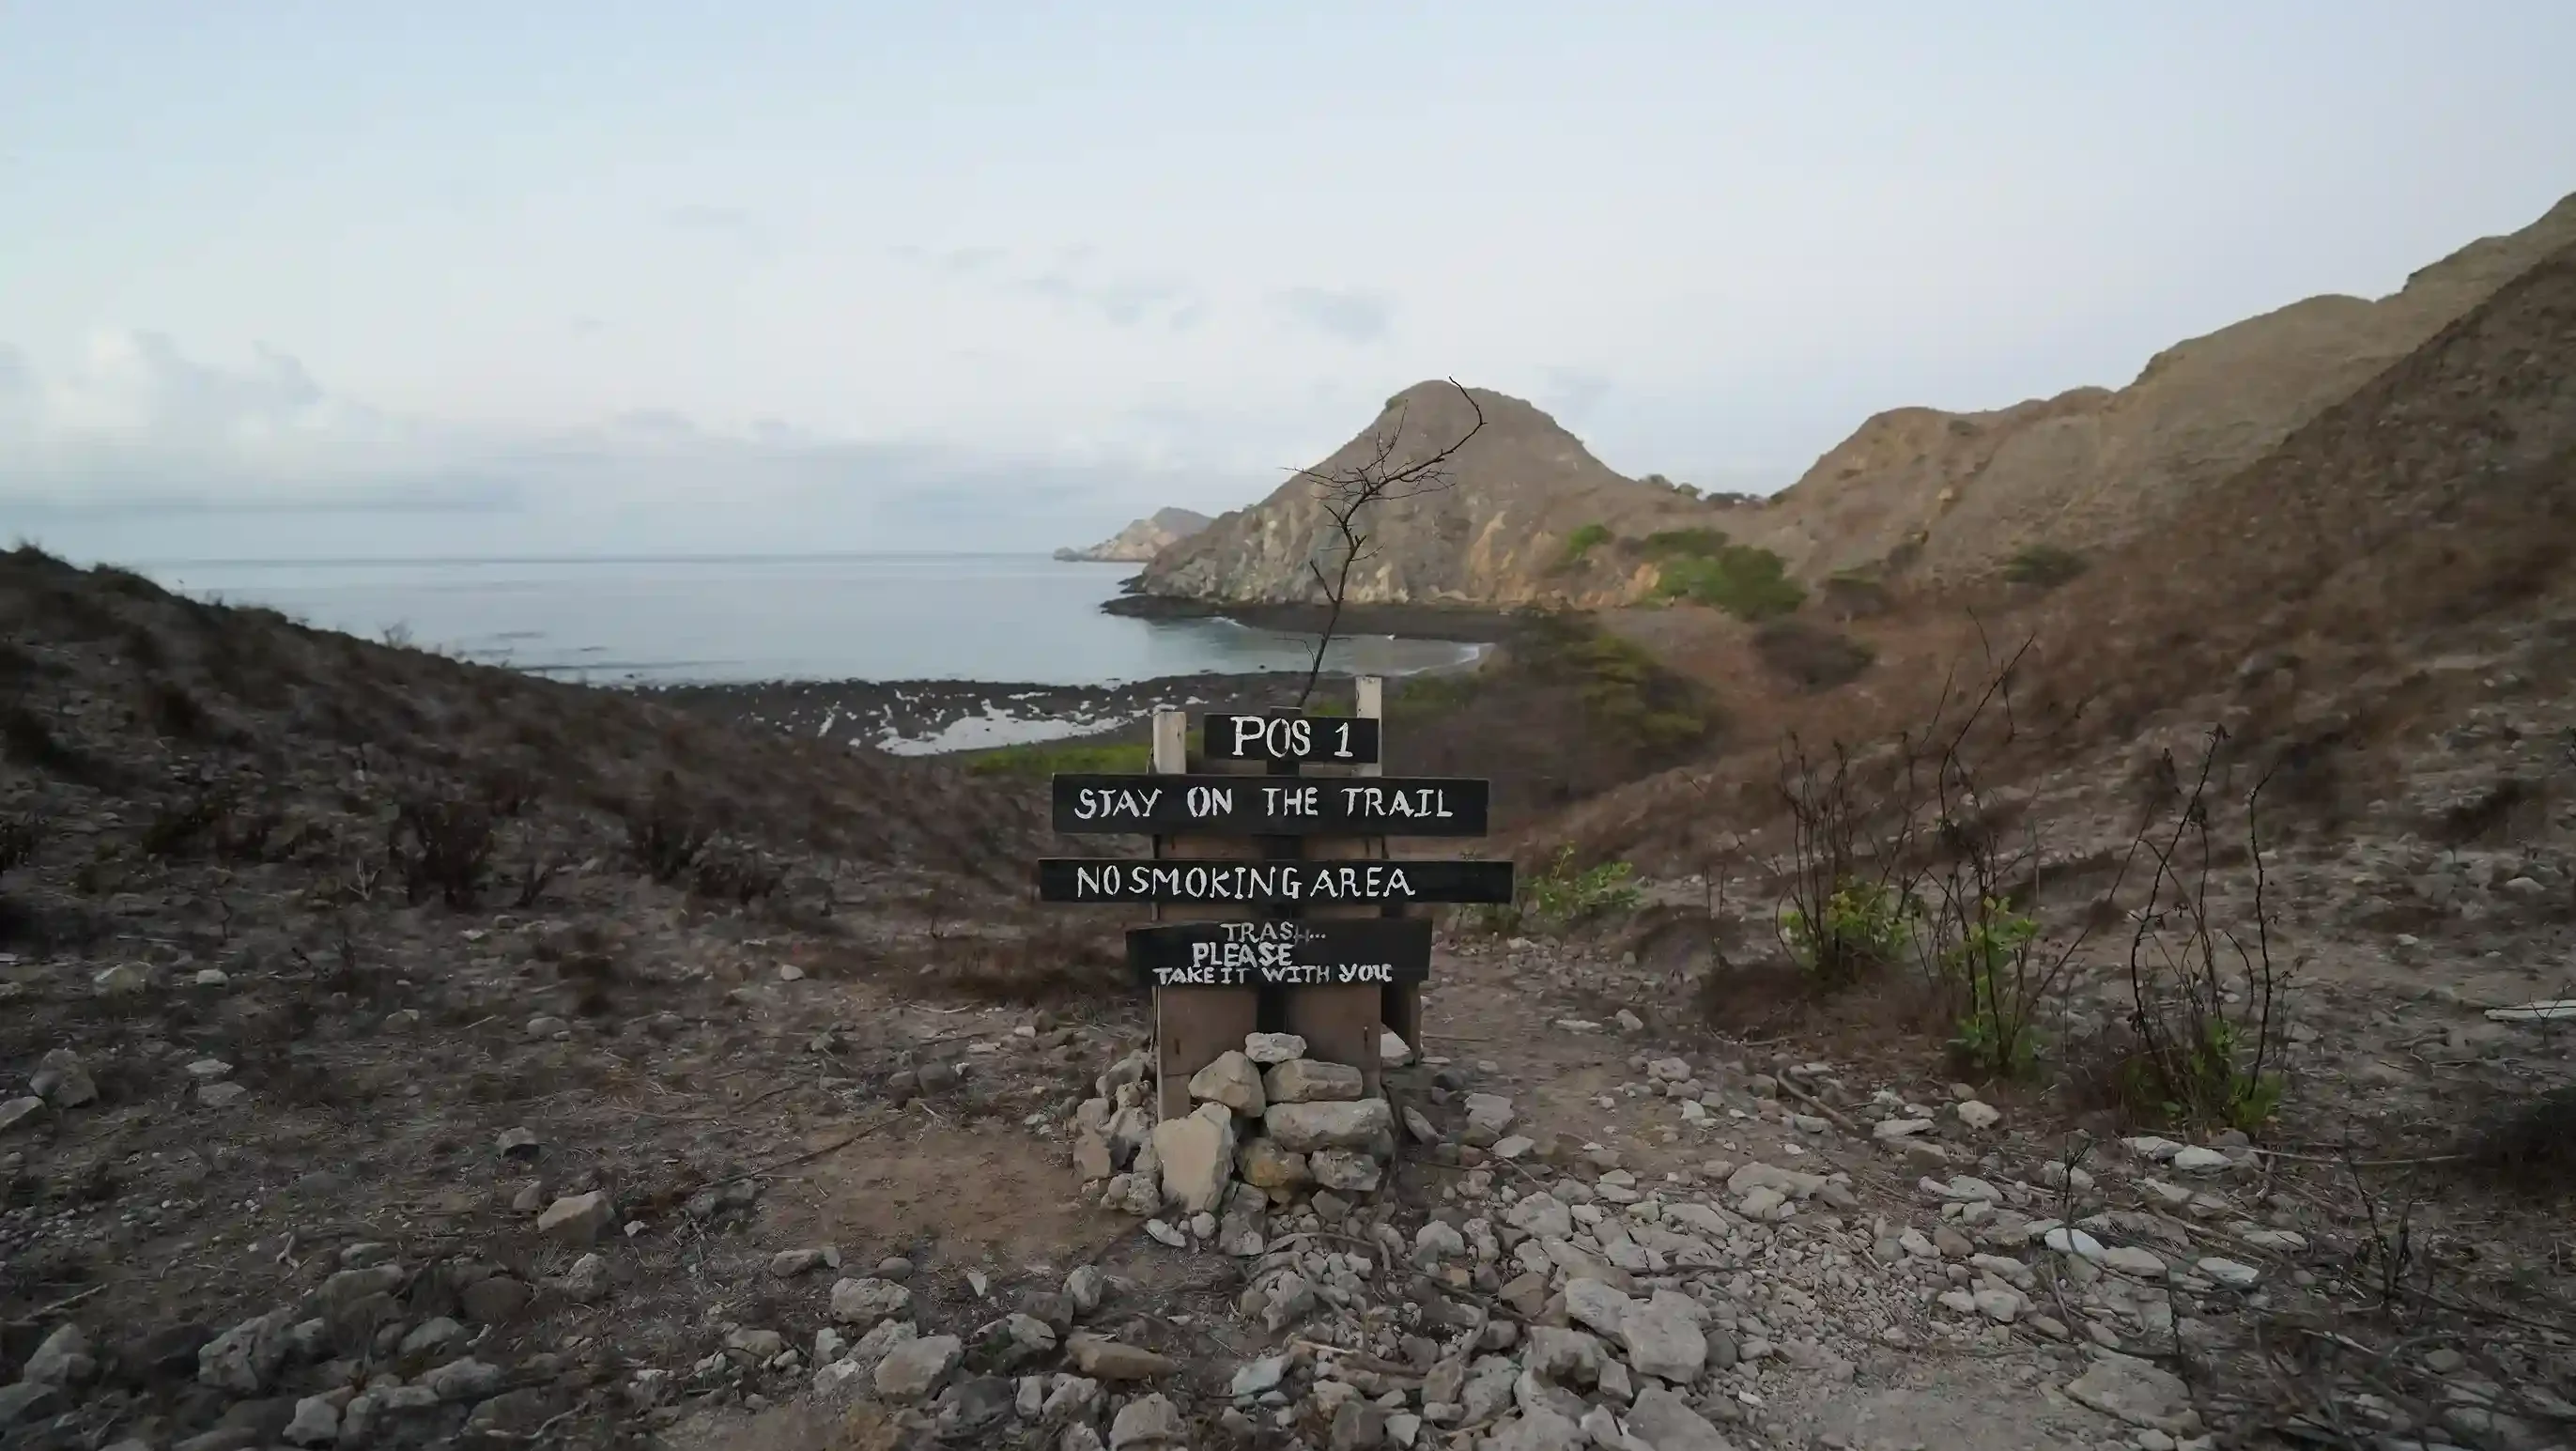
x,y
462,277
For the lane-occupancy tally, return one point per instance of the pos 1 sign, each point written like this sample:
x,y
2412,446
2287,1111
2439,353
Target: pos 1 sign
x,y
1304,739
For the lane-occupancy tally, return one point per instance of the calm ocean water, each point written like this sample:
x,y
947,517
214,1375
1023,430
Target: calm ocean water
x,y
848,617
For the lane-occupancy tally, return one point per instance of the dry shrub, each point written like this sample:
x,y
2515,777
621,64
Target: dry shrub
x,y
28,739
2529,1147
1811,656
179,825
443,845
1049,963
737,872
171,711
664,832
21,833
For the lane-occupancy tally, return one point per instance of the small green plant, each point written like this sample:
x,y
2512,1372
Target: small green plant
x,y
1583,541
2044,565
2206,1082
1045,758
1994,1010
1561,896
1861,927
1747,582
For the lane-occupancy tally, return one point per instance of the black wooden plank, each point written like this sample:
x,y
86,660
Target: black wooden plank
x,y
1146,805
1280,954
1085,879
1319,740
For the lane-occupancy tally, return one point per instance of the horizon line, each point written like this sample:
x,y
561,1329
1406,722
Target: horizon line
x,y
802,556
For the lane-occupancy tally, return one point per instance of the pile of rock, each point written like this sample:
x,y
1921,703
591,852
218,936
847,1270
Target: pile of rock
x,y
1271,1126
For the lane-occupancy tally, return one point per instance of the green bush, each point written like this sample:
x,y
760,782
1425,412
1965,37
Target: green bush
x,y
1625,689
1747,582
1584,540
1560,896
1994,1007
2044,565
1862,927
1046,758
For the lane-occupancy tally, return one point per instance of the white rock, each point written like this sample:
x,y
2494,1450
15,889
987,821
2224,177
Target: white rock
x,y
2234,1274
1231,1080
915,1368
1597,1306
1305,1127
2197,1160
1392,1050
2131,1260
2066,1239
1269,1048
1890,1130
1197,1154
867,1300
1978,1114
1662,1336
1348,1170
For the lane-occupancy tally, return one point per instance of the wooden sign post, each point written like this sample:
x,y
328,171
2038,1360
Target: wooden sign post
x,y
1279,907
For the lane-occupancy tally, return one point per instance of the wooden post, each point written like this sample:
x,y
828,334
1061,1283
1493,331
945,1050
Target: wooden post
x,y
1401,1008
1340,1024
1192,1028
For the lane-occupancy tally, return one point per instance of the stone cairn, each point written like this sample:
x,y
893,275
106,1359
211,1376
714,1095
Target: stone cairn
x,y
1272,1127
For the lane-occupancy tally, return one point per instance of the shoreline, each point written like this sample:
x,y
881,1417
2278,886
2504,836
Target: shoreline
x,y
939,717
1409,622
922,717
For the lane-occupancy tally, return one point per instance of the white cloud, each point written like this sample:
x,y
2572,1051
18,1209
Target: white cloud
x,y
1353,315
137,438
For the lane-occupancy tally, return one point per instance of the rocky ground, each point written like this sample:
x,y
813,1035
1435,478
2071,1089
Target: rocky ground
x,y
812,1134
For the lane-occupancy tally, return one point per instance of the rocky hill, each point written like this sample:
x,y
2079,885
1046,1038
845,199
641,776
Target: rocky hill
x,y
1501,529
1919,493
1950,495
1143,539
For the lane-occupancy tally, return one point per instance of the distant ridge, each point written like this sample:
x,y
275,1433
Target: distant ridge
x,y
1142,540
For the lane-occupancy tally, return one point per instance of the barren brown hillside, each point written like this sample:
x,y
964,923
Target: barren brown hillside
x,y
1950,495
2397,565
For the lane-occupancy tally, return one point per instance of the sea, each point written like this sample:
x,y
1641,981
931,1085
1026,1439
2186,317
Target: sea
x,y
877,617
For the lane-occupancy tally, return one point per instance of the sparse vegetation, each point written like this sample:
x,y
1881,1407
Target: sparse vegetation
x,y
21,833
1041,759
1683,543
2208,1002
1810,655
1563,895
2044,566
442,845
663,832
1746,581
1581,543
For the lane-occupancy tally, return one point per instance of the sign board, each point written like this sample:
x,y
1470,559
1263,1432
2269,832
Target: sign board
x,y
1279,907
1384,952
1270,806
1304,739
1212,883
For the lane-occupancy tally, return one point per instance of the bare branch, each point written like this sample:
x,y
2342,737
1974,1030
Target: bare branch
x,y
1348,491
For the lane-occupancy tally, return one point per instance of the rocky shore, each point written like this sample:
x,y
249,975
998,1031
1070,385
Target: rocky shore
x,y
921,717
